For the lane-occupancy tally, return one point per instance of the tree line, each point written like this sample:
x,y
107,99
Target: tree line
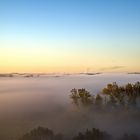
x,y
112,96
42,133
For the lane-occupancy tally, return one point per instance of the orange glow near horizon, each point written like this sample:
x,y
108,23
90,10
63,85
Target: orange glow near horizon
x,y
30,57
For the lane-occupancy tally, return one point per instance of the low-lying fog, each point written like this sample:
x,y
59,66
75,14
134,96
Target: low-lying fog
x,y
26,103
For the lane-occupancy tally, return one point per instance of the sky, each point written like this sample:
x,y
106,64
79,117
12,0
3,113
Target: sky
x,y
69,36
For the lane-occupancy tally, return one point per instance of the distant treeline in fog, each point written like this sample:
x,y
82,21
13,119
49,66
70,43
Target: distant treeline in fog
x,y
42,133
112,98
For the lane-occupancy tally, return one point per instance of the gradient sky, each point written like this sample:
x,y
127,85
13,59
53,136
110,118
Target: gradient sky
x,y
69,35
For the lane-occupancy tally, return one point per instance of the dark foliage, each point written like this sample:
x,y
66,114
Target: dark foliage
x,y
113,96
124,96
129,137
81,96
41,133
94,134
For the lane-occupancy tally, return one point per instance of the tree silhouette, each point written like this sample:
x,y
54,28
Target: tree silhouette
x,y
74,96
81,96
129,137
94,134
41,133
98,101
124,96
114,96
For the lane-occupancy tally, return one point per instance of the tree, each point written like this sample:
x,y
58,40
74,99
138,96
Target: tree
x,y
98,101
129,137
94,134
129,89
41,133
74,96
81,96
136,88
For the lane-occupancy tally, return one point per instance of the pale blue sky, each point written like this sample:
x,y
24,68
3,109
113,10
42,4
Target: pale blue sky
x,y
107,31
